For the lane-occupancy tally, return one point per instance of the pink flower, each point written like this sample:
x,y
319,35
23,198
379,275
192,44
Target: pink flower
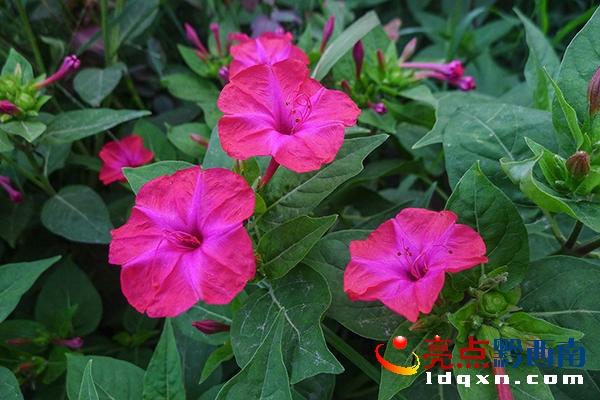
x,y
279,111
464,83
503,389
127,152
7,107
209,326
269,48
403,262
185,241
379,108
13,194
452,70
70,64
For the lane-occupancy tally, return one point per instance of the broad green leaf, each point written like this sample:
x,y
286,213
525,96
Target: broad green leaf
x,y
16,61
69,302
16,279
580,61
569,113
9,387
190,87
164,378
15,217
5,143
216,358
87,390
368,319
264,376
344,42
289,195
481,205
521,173
563,291
537,327
194,62
318,387
94,84
77,213
385,123
137,177
284,247
490,131
215,156
180,137
74,125
541,56
28,130
304,349
113,379
130,22
155,140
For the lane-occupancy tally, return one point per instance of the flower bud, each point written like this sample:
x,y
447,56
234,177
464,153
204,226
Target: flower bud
x,y
224,74
192,36
199,139
392,29
13,194
327,32
594,93
579,164
465,83
381,60
379,108
503,389
493,302
408,50
358,53
73,343
346,87
70,63
214,28
18,341
209,326
7,107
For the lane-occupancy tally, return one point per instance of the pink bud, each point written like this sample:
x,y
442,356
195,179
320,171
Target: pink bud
x,y
408,50
70,63
392,29
504,391
579,164
379,108
209,326
380,60
327,32
7,107
224,74
18,341
465,83
214,28
346,87
358,53
192,36
594,93
13,194
199,139
73,343
454,69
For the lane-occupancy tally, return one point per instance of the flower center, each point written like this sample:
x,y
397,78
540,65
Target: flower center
x,y
297,109
417,266
183,239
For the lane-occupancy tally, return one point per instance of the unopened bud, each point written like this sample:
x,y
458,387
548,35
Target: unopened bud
x,y
209,326
346,87
7,107
214,28
358,53
327,32
579,164
594,93
380,60
408,50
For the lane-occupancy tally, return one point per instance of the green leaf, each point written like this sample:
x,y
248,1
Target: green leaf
x,y
9,387
216,358
194,62
541,56
112,378
28,130
155,140
190,87
87,390
264,376
77,213
484,207
580,61
569,113
94,84
164,378
563,291
137,177
304,349
5,143
16,279
180,137
537,327
283,247
69,302
368,319
131,21
344,42
290,195
215,156
74,125
15,216
16,61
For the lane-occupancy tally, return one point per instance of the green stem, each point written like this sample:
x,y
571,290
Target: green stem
x,y
30,36
26,174
555,228
587,247
438,189
134,93
347,351
572,240
105,32
571,25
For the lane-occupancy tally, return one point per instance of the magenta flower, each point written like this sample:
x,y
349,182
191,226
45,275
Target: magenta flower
x,y
269,48
327,32
73,343
70,64
7,107
464,83
193,38
209,326
452,70
404,261
279,111
13,194
379,108
127,152
185,241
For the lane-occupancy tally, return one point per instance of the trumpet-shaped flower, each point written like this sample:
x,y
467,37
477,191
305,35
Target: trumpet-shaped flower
x,y
185,241
278,110
269,48
404,261
127,152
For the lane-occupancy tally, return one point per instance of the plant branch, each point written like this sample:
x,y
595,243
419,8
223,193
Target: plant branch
x,y
555,228
587,247
572,240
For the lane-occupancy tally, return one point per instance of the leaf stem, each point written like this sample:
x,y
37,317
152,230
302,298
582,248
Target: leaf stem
x,y
572,240
105,32
587,247
30,36
554,227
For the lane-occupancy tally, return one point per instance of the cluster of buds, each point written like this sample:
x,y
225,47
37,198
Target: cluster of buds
x,y
216,63
23,98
